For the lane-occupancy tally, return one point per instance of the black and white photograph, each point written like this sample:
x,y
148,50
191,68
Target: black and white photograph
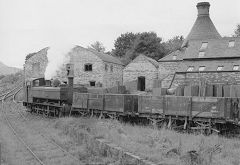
x,y
119,82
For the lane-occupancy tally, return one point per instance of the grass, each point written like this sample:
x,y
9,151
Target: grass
x,y
162,145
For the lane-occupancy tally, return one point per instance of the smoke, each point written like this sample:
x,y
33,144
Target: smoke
x,y
57,56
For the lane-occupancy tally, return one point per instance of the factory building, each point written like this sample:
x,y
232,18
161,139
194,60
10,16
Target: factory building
x,y
205,56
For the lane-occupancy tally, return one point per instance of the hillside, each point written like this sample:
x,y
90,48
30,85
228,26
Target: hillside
x,y
5,70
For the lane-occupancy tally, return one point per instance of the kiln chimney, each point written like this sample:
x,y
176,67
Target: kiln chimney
x,y
203,8
203,28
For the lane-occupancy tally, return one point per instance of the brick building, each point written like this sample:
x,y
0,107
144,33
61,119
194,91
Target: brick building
x,y
140,73
92,68
205,56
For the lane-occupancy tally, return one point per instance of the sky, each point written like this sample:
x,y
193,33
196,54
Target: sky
x,y
27,26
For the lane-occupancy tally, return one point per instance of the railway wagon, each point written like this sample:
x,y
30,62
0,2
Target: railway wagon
x,y
201,112
108,104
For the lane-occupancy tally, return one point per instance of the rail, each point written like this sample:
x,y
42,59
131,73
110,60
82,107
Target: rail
x,y
49,139
12,128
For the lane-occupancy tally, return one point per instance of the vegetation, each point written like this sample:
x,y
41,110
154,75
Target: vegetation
x,y
12,78
98,46
237,31
173,44
129,45
160,146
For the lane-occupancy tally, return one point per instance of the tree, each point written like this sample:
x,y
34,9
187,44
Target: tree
x,y
237,31
130,45
149,44
173,44
123,44
98,46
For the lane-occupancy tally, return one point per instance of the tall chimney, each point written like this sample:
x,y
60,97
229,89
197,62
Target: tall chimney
x,y
203,8
203,28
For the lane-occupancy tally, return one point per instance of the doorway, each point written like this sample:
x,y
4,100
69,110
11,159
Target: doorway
x,y
141,83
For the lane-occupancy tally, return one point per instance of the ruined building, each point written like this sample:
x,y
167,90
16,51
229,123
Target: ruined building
x,y
91,68
35,64
205,56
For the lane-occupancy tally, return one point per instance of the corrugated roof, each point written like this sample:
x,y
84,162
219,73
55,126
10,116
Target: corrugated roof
x,y
103,56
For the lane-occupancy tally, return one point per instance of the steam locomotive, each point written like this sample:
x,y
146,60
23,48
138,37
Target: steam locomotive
x,y
41,96
208,113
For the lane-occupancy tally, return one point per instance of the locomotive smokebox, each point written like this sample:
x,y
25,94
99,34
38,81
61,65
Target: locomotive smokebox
x,y
70,74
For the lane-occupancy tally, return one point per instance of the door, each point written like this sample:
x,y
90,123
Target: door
x,y
141,83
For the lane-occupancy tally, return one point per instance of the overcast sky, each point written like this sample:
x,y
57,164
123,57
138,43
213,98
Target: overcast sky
x,y
27,26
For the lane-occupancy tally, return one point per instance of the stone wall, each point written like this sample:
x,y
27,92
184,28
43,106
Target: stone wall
x,y
166,72
79,57
35,65
107,77
140,67
113,75
213,78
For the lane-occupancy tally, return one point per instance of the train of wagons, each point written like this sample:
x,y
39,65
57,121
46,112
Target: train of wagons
x,y
212,114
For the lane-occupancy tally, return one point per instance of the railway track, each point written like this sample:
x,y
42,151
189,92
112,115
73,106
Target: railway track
x,y
37,144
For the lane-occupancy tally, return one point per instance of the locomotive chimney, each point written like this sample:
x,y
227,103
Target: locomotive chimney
x,y
70,74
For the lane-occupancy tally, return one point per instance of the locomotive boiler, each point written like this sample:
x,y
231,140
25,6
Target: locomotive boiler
x,y
42,97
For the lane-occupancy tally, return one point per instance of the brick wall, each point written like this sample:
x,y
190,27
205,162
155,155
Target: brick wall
x,y
35,66
140,67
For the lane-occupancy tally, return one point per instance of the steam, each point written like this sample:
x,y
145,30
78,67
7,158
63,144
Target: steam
x,y
57,56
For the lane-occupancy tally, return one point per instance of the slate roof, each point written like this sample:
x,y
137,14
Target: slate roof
x,y
216,48
179,56
103,56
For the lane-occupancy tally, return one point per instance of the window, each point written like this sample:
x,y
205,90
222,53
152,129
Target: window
x,y
190,68
204,45
174,57
219,68
231,44
111,68
106,67
235,67
201,68
88,67
92,83
201,54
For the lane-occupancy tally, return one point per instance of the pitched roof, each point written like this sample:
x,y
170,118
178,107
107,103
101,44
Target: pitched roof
x,y
203,27
103,56
151,60
216,48
178,53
